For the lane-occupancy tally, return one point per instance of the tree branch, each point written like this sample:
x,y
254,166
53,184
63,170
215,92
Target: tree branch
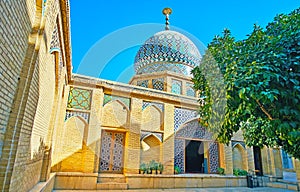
x,y
263,109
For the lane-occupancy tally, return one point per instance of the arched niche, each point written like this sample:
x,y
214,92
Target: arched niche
x,y
152,119
73,140
115,114
150,148
239,157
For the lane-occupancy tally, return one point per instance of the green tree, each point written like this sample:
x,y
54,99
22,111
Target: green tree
x,y
261,85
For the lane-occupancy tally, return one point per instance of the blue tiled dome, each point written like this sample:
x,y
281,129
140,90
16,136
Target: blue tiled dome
x,y
167,51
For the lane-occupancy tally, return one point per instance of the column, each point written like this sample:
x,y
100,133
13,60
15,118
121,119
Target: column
x,y
132,143
228,159
92,138
168,142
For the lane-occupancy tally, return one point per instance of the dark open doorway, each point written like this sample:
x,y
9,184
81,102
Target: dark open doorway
x,y
257,161
194,156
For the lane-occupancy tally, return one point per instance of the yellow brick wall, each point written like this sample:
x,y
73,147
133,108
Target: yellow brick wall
x,y
27,73
152,119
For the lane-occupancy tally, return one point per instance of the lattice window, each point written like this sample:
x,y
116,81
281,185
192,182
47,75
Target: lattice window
x,y
84,115
105,151
176,86
109,98
158,105
213,157
118,150
142,83
190,90
158,84
79,98
181,116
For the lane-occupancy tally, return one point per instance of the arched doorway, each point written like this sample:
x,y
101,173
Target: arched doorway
x,y
195,150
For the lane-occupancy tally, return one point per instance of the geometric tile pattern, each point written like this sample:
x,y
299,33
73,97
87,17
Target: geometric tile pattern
x,y
158,84
182,115
167,51
179,154
142,83
213,157
193,130
124,100
79,98
70,114
176,86
148,103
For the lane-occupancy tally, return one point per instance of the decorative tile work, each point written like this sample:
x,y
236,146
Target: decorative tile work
x,y
70,114
190,90
79,98
179,153
193,130
143,83
105,151
148,103
182,115
158,84
118,152
176,86
109,98
145,134
167,47
213,157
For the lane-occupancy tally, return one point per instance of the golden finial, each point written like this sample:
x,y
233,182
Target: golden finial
x,y
167,11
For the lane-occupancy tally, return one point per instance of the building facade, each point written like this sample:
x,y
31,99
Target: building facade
x,y
68,131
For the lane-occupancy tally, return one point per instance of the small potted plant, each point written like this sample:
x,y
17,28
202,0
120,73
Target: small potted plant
x,y
221,171
160,167
143,168
177,170
152,166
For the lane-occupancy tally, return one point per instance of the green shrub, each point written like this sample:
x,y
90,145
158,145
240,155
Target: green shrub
x,y
177,170
221,171
239,172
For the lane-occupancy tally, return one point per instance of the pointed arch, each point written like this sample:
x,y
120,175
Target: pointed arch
x,y
151,148
152,118
239,157
115,114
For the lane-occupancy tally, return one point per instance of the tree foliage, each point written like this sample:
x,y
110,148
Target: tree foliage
x,y
260,76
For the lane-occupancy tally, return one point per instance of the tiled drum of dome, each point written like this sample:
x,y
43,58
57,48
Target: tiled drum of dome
x,y
142,83
181,116
190,90
170,50
105,151
176,86
158,84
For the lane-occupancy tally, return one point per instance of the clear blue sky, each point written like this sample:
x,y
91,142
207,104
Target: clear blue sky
x,y
107,34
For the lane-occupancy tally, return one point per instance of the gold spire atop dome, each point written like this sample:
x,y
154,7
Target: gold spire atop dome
x,y
167,11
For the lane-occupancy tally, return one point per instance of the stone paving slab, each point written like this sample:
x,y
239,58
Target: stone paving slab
x,y
229,189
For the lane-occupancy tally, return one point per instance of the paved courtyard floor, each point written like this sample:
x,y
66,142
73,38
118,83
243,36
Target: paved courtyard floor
x,y
229,189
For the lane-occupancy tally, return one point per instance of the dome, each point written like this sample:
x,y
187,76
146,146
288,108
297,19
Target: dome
x,y
167,51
